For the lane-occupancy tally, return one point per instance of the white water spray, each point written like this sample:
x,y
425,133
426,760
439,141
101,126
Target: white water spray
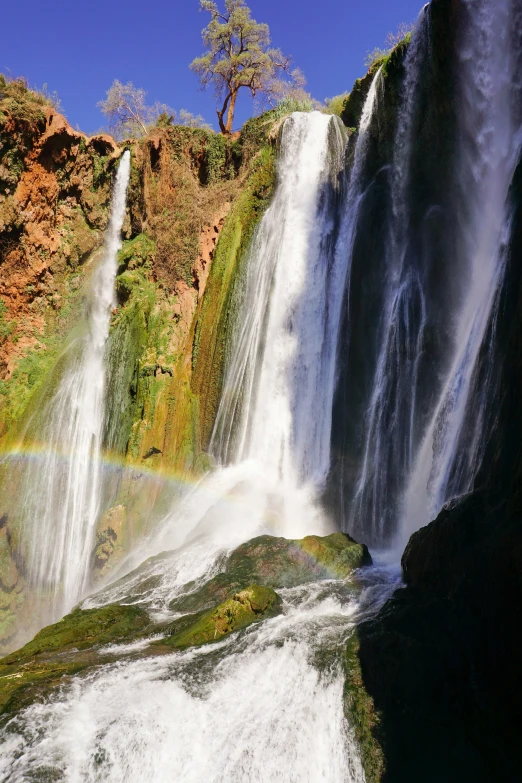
x,y
262,706
63,494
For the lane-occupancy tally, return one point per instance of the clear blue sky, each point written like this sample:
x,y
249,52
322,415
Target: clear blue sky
x,y
79,48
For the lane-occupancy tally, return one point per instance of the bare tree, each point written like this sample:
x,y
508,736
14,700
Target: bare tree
x,y
126,110
391,41
130,116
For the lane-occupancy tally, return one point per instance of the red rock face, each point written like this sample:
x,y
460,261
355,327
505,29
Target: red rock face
x,y
37,218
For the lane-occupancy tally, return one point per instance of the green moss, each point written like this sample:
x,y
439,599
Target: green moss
x,y
56,651
6,327
81,629
137,252
248,606
361,714
99,171
218,314
127,378
388,62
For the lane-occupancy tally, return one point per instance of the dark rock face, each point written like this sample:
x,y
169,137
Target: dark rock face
x,y
441,660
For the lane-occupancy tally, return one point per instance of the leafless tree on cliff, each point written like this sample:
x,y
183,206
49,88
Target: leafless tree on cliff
x,y
129,115
239,55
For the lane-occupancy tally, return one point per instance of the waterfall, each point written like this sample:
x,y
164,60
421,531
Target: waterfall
x,y
424,425
263,704
275,411
388,450
487,158
62,495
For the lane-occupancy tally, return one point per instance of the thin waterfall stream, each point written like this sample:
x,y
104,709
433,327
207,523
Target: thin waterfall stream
x,y
62,500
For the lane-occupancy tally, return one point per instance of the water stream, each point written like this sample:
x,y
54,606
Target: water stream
x,y
62,493
489,150
424,429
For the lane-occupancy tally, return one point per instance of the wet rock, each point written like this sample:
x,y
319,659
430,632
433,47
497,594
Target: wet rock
x,y
278,563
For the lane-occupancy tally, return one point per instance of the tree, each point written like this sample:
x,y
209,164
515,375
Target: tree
x,y
130,116
239,55
126,110
392,40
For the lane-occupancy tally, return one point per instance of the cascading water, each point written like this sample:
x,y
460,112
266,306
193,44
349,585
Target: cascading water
x,y
282,372
266,704
275,413
276,409
437,306
187,720
63,493
388,451
489,147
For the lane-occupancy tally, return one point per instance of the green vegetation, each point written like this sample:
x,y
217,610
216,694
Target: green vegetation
x,y
390,63
81,629
336,104
218,313
6,327
361,714
24,104
379,56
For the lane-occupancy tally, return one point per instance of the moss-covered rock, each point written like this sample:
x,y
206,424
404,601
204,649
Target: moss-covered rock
x,y
217,315
81,629
58,650
245,607
73,644
361,714
278,563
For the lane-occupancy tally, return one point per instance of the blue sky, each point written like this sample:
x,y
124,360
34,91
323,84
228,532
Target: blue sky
x,y
79,48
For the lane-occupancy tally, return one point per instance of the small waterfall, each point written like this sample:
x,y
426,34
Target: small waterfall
x,y
390,419
63,493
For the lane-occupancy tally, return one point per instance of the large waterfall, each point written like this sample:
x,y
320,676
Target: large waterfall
x,y
489,146
62,495
358,394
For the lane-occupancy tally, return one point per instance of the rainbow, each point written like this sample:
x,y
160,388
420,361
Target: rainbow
x,y
108,462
